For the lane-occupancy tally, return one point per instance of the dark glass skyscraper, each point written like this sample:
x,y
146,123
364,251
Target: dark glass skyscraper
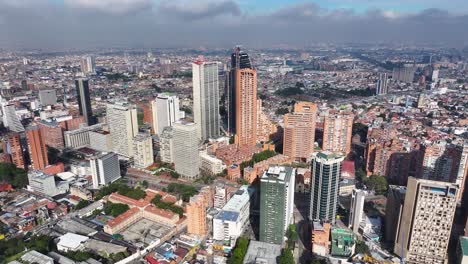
x,y
239,60
84,100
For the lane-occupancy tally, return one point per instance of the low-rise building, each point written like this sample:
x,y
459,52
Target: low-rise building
x,y
210,164
45,184
71,242
342,243
262,253
321,238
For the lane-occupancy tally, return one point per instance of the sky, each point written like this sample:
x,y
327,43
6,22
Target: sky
x,y
83,24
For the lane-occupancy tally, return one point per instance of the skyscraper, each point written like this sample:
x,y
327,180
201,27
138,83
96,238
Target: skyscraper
x,y
88,65
382,84
337,132
165,110
84,100
357,209
105,169
325,178
123,126
299,131
166,143
206,99
185,142
425,224
37,148
10,119
246,107
239,60
276,203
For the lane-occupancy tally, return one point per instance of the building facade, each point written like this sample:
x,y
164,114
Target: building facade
x,y
425,223
276,203
206,99
185,142
105,169
37,148
84,100
143,151
166,146
165,109
356,215
337,132
123,126
325,178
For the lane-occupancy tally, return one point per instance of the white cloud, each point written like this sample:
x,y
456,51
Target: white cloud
x,y
111,6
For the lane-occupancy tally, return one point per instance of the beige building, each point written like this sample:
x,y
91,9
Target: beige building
x,y
299,131
265,127
143,151
185,142
337,132
196,216
210,164
425,224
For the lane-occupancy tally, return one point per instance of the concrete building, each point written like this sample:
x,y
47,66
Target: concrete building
x,y
196,216
276,203
262,253
337,132
45,184
80,137
71,242
36,257
343,243
220,196
230,222
206,99
321,238
166,145
84,101
404,74
53,134
356,213
246,107
47,97
123,126
393,210
15,149
325,178
105,169
37,148
165,109
100,140
143,151
210,164
426,221
185,142
265,127
299,131
10,119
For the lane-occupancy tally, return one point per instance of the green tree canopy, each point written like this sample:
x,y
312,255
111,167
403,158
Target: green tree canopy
x,y
239,252
378,184
286,257
10,174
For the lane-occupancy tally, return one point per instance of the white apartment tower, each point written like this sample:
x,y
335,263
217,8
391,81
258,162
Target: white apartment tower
x,y
105,169
165,111
123,126
185,142
143,151
206,99
357,209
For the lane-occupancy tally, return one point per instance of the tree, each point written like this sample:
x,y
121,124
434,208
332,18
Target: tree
x,y
239,252
81,204
378,184
10,174
282,111
144,184
292,235
361,248
115,209
286,257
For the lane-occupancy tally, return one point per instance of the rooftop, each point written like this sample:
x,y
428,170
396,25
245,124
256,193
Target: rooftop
x,y
464,245
261,252
279,173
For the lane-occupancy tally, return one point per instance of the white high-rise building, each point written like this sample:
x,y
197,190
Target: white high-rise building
x,y
206,99
357,209
123,126
166,146
185,142
105,169
143,151
10,119
165,110
88,65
